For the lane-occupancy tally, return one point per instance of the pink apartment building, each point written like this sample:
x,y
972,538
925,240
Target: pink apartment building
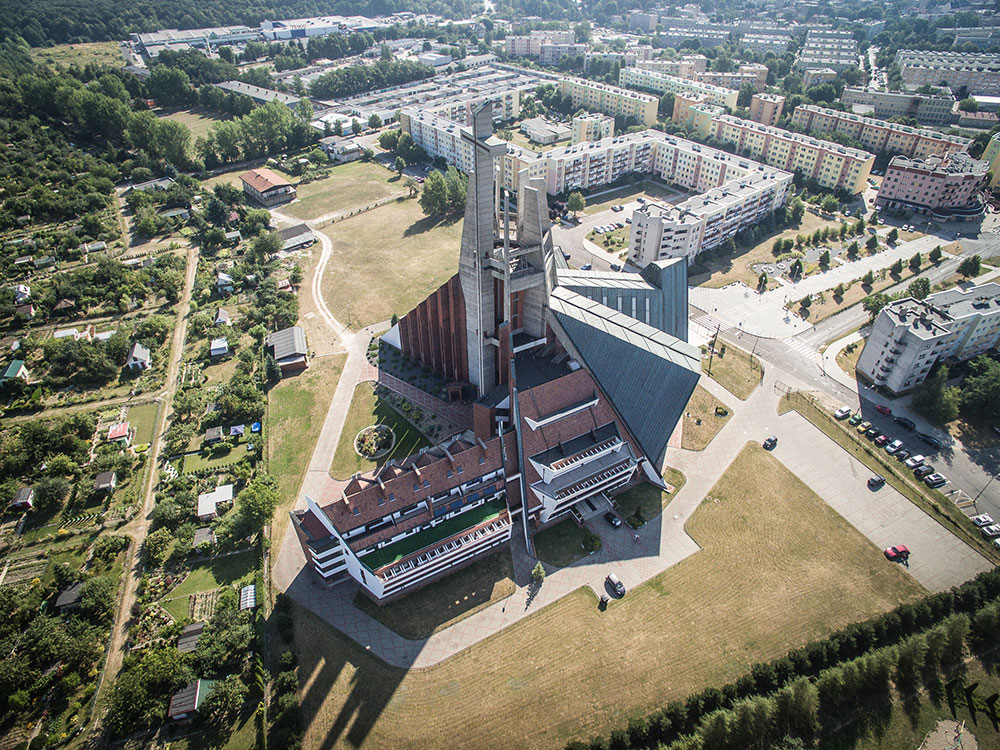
x,y
944,187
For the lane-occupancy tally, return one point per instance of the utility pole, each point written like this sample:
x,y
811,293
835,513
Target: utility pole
x,y
711,351
976,498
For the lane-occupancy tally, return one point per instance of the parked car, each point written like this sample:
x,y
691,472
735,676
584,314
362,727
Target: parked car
x,y
899,553
770,442
615,267
906,424
930,440
883,409
922,471
914,461
616,209
881,440
640,200
616,585
990,532
863,427
982,520
876,482
935,480
855,419
902,454
842,413
586,267
872,432
628,219
565,255
894,446
614,520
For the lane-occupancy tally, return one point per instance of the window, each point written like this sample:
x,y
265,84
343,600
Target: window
x,y
392,497
357,510
450,473
416,487
460,470
482,460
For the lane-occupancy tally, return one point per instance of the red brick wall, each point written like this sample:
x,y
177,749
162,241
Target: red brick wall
x,y
433,333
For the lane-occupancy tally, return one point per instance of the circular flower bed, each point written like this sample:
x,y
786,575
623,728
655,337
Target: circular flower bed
x,y
374,441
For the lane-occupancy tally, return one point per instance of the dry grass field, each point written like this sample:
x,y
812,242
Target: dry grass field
x,y
778,568
199,121
737,371
701,408
352,185
101,53
387,260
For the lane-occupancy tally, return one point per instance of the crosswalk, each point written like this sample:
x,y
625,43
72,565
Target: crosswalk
x,y
710,324
801,347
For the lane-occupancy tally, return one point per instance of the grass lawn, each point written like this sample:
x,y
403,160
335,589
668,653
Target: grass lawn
x,y
102,53
561,544
143,419
847,358
854,292
647,500
735,370
445,602
216,573
198,120
646,189
196,462
387,260
367,410
614,242
778,568
352,185
932,502
296,409
716,268
701,423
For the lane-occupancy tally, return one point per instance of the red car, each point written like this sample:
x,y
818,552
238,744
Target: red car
x,y
899,553
883,410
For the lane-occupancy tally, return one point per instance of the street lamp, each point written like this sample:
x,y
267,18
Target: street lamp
x,y
976,498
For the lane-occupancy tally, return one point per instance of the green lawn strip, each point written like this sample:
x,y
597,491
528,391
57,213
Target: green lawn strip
x,y
561,544
737,371
177,607
444,602
143,419
648,500
701,420
215,573
947,513
415,542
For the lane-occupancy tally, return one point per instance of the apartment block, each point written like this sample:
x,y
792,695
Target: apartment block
x,y
878,135
693,67
977,73
909,336
705,35
530,45
662,83
611,100
833,166
592,127
946,188
764,43
826,48
929,109
551,54
686,67
816,76
437,136
766,108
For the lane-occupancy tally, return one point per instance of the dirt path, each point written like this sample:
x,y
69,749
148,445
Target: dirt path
x,y
138,527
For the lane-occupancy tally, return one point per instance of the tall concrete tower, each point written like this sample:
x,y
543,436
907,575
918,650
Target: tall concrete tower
x,y
480,238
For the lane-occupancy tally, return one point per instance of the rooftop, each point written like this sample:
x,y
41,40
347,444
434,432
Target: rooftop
x,y
263,180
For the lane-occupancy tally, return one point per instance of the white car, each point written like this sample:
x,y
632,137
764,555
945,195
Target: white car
x,y
982,520
914,461
894,446
990,532
842,413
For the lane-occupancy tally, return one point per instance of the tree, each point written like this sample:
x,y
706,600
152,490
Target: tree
x,y
838,291
896,268
156,545
968,105
576,202
257,501
868,279
224,701
806,302
747,91
919,288
829,204
374,121
853,249
434,198
936,254
411,185
97,599
399,165
915,263
824,259
50,493
338,128
456,188
874,303
981,389
970,267
388,140
872,243
935,399
538,572
356,126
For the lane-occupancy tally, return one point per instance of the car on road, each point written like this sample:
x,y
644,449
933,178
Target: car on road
x,y
914,461
930,440
615,267
881,440
990,532
906,424
640,199
855,419
770,442
628,219
586,267
614,520
922,471
983,519
863,427
616,585
842,413
899,553
902,454
565,255
618,208
876,482
935,480
894,446
883,409
872,432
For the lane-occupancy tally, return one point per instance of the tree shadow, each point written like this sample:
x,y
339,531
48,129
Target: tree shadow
x,y
431,222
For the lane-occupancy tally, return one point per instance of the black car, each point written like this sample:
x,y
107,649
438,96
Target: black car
x,y
872,432
930,440
876,482
770,443
614,520
922,471
906,424
902,454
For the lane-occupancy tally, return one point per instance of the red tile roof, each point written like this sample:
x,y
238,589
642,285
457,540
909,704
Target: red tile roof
x,y
263,180
117,431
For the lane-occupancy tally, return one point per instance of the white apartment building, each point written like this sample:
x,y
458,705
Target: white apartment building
x,y
826,48
530,45
592,127
663,83
611,100
551,54
910,335
978,72
931,109
764,43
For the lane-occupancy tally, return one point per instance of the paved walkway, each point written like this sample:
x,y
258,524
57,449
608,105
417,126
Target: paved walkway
x,y
459,414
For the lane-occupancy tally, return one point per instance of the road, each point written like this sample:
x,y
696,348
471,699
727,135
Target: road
x,y
136,529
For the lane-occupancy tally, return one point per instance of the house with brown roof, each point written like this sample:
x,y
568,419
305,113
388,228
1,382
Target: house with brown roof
x,y
267,187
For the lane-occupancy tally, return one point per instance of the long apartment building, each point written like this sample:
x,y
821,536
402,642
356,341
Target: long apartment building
x,y
910,335
663,83
764,43
685,67
878,135
833,166
930,109
661,231
827,48
530,45
611,100
944,187
978,73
